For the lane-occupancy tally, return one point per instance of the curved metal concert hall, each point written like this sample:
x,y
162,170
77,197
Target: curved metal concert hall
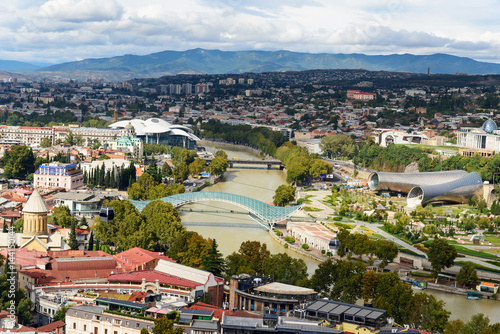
x,y
459,191
404,182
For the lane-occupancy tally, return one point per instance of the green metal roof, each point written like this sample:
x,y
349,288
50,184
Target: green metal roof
x,y
264,211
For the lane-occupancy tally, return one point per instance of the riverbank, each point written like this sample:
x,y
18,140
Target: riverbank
x,y
231,145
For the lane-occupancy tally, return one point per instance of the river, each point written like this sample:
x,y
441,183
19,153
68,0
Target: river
x,y
230,230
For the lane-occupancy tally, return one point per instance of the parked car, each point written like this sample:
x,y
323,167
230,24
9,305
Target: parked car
x,y
414,267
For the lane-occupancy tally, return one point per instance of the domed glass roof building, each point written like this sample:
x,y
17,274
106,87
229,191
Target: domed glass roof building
x,y
159,131
489,126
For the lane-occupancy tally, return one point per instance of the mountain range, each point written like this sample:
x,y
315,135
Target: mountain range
x,y
200,61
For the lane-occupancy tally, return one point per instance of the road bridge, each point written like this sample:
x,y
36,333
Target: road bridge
x,y
264,213
268,163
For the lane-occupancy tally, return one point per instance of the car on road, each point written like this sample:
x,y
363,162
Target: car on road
x,y
414,267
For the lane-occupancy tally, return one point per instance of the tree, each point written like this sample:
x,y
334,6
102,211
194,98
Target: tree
x,y
165,326
468,275
369,284
454,327
476,325
318,167
297,168
441,255
60,314
46,142
62,216
91,241
394,296
336,145
218,165
197,250
153,170
19,162
70,139
197,166
163,224
221,153
428,313
72,242
285,269
385,251
166,170
283,195
140,189
180,173
214,262
253,255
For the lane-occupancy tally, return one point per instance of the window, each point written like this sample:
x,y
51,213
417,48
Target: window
x,y
105,331
84,328
74,325
96,330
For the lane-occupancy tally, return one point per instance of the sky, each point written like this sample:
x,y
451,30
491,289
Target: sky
x,y
54,31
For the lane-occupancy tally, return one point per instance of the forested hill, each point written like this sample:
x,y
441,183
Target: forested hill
x,y
200,61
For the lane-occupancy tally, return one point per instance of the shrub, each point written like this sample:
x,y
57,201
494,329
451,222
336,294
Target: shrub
x,y
290,239
305,246
322,251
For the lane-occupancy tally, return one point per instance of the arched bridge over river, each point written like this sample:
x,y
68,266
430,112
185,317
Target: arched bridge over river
x,y
268,214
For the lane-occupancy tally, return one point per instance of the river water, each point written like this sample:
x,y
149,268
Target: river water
x,y
230,230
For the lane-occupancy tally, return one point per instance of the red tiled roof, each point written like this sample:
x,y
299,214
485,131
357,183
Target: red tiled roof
x,y
77,253
52,326
152,276
53,276
135,257
83,264
27,258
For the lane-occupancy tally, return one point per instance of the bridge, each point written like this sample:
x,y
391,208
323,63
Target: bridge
x,y
264,213
269,163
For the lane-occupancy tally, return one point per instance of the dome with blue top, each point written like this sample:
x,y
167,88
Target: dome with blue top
x,y
489,126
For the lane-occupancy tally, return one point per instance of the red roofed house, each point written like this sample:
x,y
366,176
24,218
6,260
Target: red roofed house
x,y
138,259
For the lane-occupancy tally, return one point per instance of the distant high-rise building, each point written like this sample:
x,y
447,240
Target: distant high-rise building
x,y
187,88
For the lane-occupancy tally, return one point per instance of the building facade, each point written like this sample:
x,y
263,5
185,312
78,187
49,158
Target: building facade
x,y
132,145
58,175
33,136
487,137
94,320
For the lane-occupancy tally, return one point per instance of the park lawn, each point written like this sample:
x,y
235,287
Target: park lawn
x,y
477,266
494,240
366,230
494,251
467,251
312,209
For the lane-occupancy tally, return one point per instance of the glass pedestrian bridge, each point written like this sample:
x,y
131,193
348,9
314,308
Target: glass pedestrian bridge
x,y
263,211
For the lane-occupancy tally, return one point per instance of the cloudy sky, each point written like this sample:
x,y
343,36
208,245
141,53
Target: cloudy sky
x,y
51,31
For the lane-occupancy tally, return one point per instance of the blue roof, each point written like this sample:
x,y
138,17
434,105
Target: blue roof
x,y
262,210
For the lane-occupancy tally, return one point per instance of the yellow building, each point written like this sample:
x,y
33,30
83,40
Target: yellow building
x,y
35,234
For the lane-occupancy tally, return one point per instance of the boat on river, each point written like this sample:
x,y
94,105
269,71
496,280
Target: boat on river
x,y
474,295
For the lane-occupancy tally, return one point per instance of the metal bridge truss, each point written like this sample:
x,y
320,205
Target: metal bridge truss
x,y
264,212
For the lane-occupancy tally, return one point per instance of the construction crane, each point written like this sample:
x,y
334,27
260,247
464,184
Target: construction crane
x,y
124,109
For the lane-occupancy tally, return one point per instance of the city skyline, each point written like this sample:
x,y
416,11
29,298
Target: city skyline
x,y
53,31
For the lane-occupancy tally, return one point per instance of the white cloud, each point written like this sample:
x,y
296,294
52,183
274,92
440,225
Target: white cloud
x,y
64,30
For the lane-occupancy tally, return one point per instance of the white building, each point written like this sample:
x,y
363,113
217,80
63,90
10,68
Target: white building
x,y
486,137
314,235
92,319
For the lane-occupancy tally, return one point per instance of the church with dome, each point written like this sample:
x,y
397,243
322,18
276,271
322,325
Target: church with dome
x,y
36,234
487,137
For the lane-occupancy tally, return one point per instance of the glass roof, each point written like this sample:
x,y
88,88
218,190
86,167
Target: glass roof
x,y
264,211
